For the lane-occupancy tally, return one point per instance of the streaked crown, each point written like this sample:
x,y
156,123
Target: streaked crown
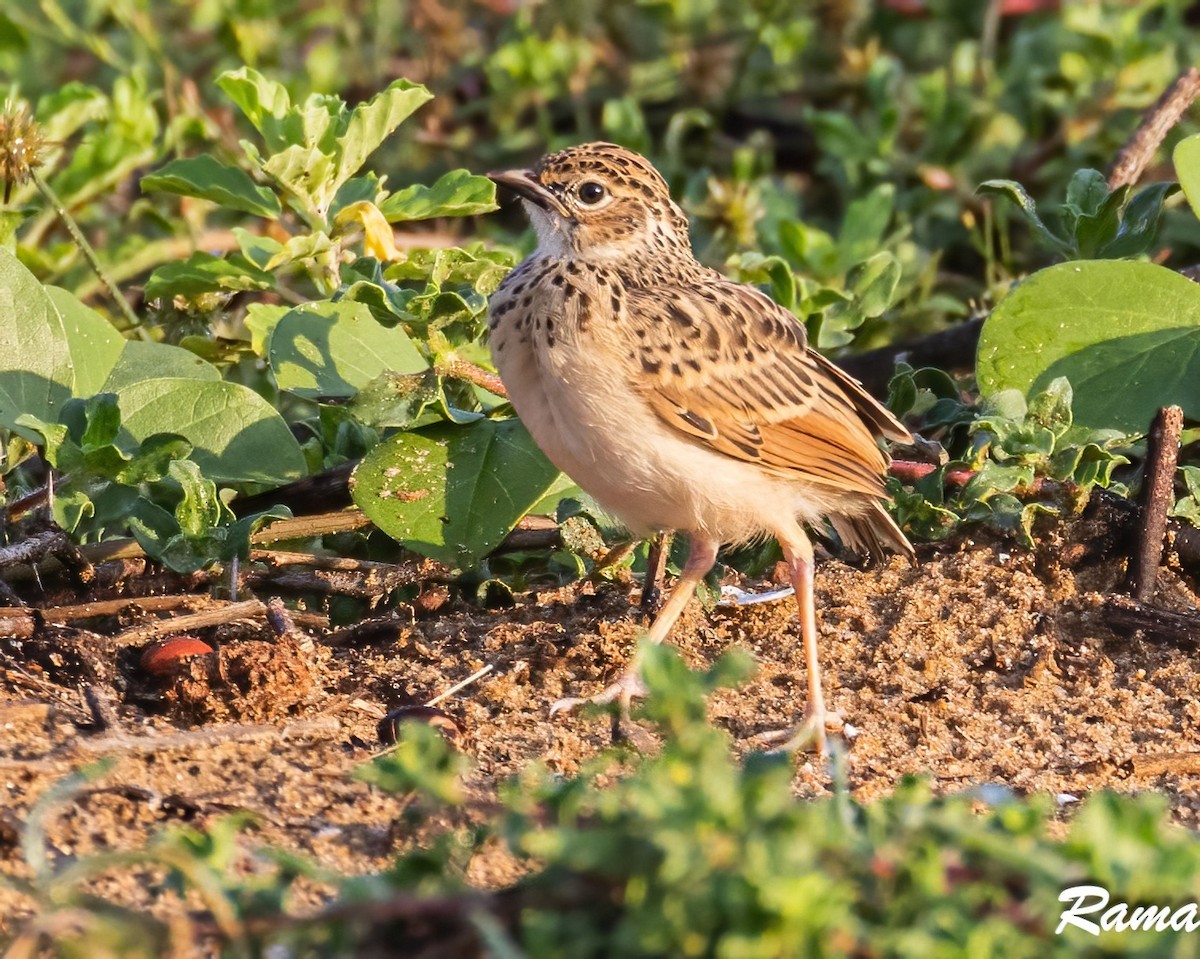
x,y
600,201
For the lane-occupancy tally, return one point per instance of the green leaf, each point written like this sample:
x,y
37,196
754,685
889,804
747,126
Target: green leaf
x,y
307,172
103,423
782,281
1015,192
1125,334
865,224
304,246
359,189
1094,231
204,273
624,122
1139,222
398,399
109,156
66,109
261,320
265,103
237,436
153,457
58,448
201,508
457,193
36,371
1187,169
993,477
873,283
373,122
1188,507
208,178
255,247
147,360
94,345
1086,192
453,493
1052,407
328,349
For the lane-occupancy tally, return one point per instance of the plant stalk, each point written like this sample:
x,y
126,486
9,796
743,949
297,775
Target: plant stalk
x,y
85,247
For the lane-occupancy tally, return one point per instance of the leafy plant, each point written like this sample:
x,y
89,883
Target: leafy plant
x,y
1094,222
56,349
310,161
1009,460
834,285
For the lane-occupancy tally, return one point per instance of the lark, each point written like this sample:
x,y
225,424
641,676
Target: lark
x,y
678,398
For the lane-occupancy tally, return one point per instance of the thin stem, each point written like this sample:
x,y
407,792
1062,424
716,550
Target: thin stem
x,y
88,253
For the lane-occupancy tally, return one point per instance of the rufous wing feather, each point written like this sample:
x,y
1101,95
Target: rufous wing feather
x,y
749,387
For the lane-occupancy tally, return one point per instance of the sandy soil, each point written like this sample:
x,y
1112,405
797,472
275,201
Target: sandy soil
x,y
982,664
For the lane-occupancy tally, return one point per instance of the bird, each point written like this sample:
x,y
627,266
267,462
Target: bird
x,y
680,399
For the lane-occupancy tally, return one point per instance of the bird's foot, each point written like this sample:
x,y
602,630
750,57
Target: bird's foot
x,y
809,736
622,692
628,687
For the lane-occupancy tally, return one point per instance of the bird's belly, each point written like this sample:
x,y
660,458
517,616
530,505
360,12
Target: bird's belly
x,y
609,441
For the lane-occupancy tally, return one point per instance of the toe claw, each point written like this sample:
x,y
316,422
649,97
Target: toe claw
x,y
566,705
628,687
809,736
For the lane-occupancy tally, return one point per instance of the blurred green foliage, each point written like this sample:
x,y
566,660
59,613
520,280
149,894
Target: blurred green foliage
x,y
770,118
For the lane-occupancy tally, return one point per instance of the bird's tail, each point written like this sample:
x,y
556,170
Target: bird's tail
x,y
873,533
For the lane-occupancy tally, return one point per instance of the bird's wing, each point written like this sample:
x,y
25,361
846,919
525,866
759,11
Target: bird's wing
x,y
724,365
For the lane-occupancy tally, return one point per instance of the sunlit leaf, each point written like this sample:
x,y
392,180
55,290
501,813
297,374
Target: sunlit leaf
x,y
204,273
330,349
457,193
373,122
237,435
453,493
1125,334
206,177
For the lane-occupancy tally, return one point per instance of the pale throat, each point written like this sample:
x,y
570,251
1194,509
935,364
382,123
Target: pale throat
x,y
557,239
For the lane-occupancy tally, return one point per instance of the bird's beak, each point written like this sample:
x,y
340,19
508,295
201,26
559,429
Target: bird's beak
x,y
527,186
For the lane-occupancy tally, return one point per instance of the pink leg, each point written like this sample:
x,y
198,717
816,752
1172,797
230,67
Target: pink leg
x,y
701,557
799,554
700,560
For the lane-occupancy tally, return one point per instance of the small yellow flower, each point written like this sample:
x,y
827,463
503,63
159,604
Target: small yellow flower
x,y
21,145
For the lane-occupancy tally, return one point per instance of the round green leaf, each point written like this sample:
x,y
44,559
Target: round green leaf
x,y
238,436
453,493
1125,334
146,360
1187,169
35,372
93,343
327,349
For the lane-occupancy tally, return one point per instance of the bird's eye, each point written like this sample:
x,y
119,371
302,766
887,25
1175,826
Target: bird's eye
x,y
592,192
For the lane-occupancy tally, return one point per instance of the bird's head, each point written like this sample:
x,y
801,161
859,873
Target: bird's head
x,y
599,202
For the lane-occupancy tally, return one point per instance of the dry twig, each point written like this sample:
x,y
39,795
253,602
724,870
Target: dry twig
x,y
1136,155
1155,623
1157,497
224,613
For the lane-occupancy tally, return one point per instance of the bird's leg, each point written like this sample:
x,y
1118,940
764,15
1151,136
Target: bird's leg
x,y
700,560
798,552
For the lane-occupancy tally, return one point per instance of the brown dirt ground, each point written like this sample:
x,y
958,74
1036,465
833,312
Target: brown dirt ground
x,y
982,664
